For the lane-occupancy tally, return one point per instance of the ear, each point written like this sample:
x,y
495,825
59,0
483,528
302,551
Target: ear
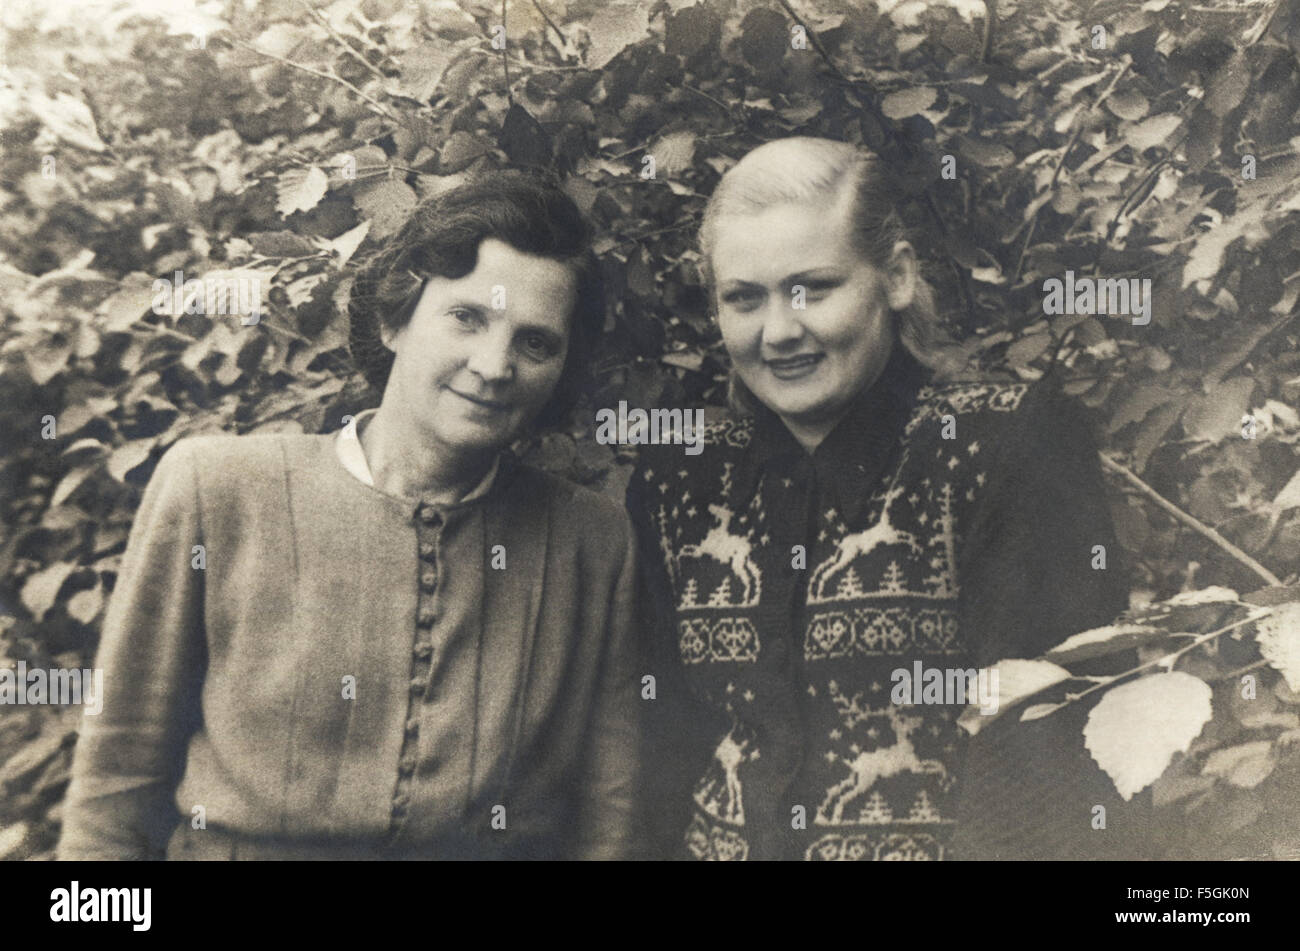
x,y
901,276
387,335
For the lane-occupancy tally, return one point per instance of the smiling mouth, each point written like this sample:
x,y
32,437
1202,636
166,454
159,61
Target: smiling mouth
x,y
480,402
786,368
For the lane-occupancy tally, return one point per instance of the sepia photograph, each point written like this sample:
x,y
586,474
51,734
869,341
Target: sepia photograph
x,y
651,430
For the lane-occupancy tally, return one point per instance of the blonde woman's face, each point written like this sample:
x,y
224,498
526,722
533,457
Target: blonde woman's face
x,y
805,356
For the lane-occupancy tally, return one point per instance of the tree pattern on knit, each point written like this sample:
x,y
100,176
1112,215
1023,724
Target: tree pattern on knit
x,y
877,779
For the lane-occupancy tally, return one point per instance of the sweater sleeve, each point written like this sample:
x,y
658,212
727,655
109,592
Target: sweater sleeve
x,y
130,756
608,798
1028,582
675,741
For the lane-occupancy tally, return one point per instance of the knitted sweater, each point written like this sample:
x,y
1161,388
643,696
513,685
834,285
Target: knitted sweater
x,y
944,527
350,668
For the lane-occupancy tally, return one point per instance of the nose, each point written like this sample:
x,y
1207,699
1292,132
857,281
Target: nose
x,y
492,360
781,326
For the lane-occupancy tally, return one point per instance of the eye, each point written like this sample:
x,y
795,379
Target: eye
x,y
742,299
819,289
539,346
465,316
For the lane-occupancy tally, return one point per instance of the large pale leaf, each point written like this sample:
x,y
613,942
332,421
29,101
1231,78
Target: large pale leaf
x,y
1279,641
1100,641
1017,681
1135,729
300,189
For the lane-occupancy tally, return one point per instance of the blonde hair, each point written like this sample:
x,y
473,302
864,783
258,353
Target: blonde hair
x,y
800,169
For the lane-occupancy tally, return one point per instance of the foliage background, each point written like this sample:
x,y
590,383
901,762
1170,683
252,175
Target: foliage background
x,y
280,138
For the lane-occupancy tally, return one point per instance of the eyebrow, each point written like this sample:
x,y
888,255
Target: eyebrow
x,y
801,277
466,304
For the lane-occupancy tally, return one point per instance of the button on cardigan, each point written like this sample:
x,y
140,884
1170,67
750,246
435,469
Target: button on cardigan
x,y
325,678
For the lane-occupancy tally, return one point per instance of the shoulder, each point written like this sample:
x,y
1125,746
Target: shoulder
x,y
575,508
935,401
996,408
721,443
228,466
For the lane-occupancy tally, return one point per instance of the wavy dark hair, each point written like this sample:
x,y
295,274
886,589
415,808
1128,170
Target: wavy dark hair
x,y
527,210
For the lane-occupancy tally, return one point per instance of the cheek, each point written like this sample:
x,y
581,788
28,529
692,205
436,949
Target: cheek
x,y
739,337
541,381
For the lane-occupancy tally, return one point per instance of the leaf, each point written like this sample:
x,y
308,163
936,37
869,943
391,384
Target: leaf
x,y
1168,790
523,139
70,119
346,244
1151,132
421,69
1027,349
47,356
908,102
1128,104
613,29
12,839
70,482
764,38
988,154
40,590
1206,257
300,189
85,605
1216,415
1017,681
1279,642
126,306
686,359
1068,90
1228,85
301,290
1100,641
386,203
1040,710
127,457
673,153
1288,498
1135,729
1246,765
1211,595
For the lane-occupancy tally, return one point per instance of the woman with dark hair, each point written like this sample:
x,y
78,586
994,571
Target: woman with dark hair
x,y
392,641
862,516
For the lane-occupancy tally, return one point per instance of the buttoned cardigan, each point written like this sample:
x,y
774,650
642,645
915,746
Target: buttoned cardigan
x,y
297,659
947,526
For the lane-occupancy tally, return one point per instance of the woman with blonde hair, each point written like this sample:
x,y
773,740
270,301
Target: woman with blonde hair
x,y
861,520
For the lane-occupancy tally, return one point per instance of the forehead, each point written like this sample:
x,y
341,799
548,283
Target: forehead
x,y
781,240
529,286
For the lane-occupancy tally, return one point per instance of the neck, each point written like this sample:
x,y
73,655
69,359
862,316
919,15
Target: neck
x,y
810,435
403,462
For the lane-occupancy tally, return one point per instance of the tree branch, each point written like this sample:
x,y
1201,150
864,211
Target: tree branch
x,y
1191,522
333,77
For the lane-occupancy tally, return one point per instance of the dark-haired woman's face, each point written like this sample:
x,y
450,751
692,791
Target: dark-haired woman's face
x,y
482,354
804,358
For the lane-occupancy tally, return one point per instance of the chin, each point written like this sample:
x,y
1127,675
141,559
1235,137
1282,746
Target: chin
x,y
471,438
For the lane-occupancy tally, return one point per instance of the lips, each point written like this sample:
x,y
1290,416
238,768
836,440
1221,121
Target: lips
x,y
491,405
789,368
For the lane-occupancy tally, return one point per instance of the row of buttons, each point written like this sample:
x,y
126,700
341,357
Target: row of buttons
x,y
420,669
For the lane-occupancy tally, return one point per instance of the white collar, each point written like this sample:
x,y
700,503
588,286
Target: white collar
x,y
347,446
